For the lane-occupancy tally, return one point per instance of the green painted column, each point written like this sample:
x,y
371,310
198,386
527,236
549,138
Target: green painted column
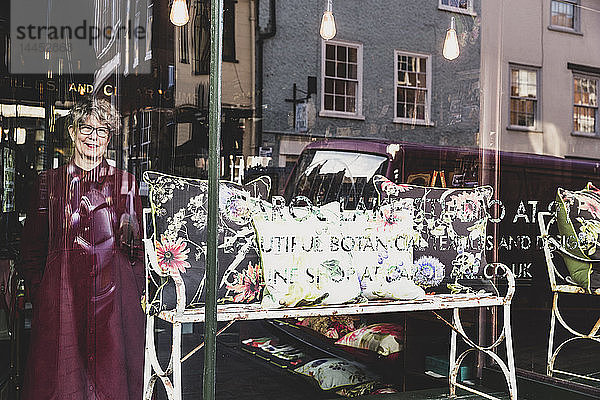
x,y
214,157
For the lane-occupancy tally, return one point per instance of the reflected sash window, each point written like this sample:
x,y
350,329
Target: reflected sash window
x,y
201,30
565,14
184,57
523,97
341,79
462,6
229,30
413,88
585,104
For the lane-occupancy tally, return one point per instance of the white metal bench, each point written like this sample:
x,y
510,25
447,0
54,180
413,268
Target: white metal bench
x,y
562,285
172,374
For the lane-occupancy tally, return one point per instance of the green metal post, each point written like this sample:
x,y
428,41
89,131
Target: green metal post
x,y
214,157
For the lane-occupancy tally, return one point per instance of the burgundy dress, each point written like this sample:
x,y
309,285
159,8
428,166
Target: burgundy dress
x,y
82,260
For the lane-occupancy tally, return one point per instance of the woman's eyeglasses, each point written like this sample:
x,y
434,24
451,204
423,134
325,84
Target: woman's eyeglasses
x,y
101,131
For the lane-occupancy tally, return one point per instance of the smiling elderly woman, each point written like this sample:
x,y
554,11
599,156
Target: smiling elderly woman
x,y
82,261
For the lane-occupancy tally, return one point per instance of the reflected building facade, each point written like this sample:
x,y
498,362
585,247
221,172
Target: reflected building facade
x,y
542,97
382,76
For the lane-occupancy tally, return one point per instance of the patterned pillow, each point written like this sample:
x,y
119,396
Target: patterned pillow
x,y
383,250
334,326
384,338
333,373
450,225
591,187
179,211
578,219
304,260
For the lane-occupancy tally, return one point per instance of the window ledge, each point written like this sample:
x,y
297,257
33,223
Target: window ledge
x,y
408,121
586,134
564,30
456,10
518,128
333,114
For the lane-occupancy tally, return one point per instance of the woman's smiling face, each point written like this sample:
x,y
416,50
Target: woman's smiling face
x,y
91,138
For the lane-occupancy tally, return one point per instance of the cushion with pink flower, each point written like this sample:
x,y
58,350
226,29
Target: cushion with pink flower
x,y
578,220
450,225
179,216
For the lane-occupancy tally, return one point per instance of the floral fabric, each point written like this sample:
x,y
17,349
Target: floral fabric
x,y
450,225
333,373
333,327
578,220
384,338
180,211
384,254
304,260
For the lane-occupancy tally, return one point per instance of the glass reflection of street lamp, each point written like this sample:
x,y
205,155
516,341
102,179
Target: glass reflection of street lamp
x,y
179,13
328,23
451,49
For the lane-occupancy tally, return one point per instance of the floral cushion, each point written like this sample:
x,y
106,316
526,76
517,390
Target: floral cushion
x,y
591,187
334,326
450,226
303,259
384,338
334,373
179,211
383,254
358,390
578,219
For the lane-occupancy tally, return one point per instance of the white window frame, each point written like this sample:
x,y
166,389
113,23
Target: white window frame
x,y
149,23
596,132
359,77
402,120
538,105
576,17
136,42
469,10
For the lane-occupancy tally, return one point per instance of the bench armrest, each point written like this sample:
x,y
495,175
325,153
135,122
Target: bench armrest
x,y
150,252
500,270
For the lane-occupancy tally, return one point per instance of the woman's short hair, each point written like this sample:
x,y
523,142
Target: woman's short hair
x,y
100,109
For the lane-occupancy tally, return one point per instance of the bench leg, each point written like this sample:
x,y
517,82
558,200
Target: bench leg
x,y
510,358
149,348
507,367
176,360
452,377
550,360
153,371
574,335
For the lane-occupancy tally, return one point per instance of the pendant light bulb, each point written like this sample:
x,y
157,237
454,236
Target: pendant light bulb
x,y
328,30
179,13
451,49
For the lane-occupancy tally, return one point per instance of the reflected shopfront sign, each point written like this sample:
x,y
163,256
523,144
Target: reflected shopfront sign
x,y
87,88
